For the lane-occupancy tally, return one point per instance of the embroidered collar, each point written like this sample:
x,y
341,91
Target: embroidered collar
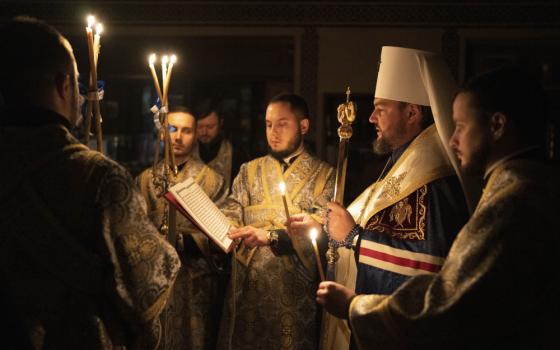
x,y
502,160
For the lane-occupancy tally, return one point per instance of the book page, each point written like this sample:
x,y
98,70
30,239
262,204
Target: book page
x,y
202,211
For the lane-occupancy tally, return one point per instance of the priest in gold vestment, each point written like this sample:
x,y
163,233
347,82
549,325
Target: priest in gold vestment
x,y
270,302
81,265
213,147
191,318
499,286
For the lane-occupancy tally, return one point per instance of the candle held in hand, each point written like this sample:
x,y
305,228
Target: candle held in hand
x,y
313,236
282,188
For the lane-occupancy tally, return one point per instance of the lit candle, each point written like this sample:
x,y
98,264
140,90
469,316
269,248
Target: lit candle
x,y
164,61
282,187
151,61
89,34
167,80
97,40
313,236
93,83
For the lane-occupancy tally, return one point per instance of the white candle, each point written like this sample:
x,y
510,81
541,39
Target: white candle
x,y
164,61
151,62
167,81
97,40
313,236
282,188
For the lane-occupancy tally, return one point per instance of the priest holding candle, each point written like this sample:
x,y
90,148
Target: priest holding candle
x,y
271,298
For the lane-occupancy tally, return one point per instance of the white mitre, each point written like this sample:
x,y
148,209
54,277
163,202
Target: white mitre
x,y
423,78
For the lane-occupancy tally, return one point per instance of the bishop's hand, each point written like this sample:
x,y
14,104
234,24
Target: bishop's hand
x,y
338,221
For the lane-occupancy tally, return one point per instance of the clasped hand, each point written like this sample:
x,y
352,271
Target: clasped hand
x,y
339,220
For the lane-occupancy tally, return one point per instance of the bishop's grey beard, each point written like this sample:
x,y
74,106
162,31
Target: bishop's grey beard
x,y
381,147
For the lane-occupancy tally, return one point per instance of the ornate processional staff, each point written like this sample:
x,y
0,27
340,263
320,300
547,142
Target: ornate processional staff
x,y
346,114
161,175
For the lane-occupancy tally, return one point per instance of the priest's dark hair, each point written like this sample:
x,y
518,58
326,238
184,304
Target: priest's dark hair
x,y
180,109
515,92
298,106
34,53
208,106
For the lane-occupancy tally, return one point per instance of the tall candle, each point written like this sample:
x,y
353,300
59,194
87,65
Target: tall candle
x,y
91,49
151,61
93,81
96,41
282,187
313,236
164,61
167,80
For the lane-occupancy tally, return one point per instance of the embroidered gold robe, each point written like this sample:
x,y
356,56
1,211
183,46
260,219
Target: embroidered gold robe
x,y
271,298
81,265
223,162
498,287
191,318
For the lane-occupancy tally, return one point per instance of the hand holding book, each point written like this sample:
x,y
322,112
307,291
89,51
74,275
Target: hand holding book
x,y
191,201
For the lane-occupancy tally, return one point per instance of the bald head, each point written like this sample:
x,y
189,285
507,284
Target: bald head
x,y
37,54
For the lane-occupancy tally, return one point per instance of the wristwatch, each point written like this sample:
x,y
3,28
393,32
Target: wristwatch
x,y
272,238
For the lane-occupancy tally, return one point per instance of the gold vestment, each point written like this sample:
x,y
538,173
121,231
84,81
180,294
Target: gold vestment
x,y
191,317
271,299
498,287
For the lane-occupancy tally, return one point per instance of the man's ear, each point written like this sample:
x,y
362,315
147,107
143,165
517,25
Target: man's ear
x,y
414,113
63,85
304,125
498,122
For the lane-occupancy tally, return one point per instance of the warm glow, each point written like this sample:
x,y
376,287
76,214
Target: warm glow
x,y
152,59
282,188
98,28
173,59
90,21
313,234
164,59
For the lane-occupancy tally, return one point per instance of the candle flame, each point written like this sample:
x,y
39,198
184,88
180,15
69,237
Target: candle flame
x,y
313,234
282,187
90,21
165,59
152,59
173,59
98,28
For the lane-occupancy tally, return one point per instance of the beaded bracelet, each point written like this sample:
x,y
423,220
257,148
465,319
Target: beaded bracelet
x,y
349,240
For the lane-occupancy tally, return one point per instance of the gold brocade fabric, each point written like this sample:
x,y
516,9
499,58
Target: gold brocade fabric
x,y
82,267
222,163
422,162
271,298
499,284
191,317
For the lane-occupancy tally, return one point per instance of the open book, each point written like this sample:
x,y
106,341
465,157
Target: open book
x,y
191,201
